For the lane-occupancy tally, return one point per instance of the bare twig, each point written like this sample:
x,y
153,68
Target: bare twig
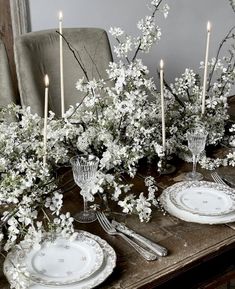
x,y
92,61
169,88
91,58
74,51
137,51
159,3
77,107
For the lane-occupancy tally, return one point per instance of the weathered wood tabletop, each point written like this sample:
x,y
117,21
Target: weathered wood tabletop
x,y
188,243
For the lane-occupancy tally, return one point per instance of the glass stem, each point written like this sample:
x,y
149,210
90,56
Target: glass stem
x,y
105,199
194,164
85,204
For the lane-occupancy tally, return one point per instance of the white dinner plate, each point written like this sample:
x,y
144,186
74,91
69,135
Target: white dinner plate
x,y
106,268
186,215
203,198
62,261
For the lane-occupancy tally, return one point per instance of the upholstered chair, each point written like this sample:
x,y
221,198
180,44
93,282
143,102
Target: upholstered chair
x,y
37,54
6,87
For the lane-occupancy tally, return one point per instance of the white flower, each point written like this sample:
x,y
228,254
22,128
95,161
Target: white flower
x,y
232,128
155,2
165,10
82,143
64,225
80,84
128,204
211,103
151,33
55,203
116,31
231,159
143,207
122,49
158,149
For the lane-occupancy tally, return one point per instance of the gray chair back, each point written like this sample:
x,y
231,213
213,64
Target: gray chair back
x,y
37,54
6,86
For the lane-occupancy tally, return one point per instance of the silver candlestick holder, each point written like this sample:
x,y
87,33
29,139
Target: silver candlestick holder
x,y
164,167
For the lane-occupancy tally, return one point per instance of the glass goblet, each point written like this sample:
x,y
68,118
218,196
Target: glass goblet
x,y
196,143
84,170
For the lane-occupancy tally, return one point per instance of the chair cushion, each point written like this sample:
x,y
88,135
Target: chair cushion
x,y
6,86
37,54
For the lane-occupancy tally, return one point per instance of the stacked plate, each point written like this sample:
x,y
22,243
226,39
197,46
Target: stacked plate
x,y
73,264
200,202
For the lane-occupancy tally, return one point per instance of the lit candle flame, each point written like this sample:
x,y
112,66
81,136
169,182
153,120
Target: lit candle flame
x,y
208,26
161,64
60,16
46,79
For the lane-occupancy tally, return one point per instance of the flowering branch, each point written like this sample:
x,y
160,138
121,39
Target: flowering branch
x,y
152,17
232,3
228,36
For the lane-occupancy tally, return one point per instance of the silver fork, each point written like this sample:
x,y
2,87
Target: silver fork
x,y
107,226
217,179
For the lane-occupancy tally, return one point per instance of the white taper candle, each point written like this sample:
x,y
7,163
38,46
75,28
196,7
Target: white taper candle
x,y
46,79
162,106
205,67
61,64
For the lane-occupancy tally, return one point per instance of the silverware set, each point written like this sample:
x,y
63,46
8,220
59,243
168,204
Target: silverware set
x,y
147,249
157,249
217,179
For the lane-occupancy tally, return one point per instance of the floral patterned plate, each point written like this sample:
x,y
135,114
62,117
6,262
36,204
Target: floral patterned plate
x,y
202,198
109,262
186,215
61,261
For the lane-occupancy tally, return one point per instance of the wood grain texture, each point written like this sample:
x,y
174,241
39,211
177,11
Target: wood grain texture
x,y
191,246
7,36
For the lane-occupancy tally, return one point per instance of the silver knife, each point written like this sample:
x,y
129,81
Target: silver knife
x,y
161,251
229,180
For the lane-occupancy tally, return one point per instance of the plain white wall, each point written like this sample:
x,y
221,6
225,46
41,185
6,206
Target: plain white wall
x,y
183,32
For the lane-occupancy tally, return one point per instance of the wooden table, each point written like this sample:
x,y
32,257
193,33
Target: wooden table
x,y
196,252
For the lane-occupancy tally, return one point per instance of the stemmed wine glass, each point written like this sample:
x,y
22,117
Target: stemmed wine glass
x,y
196,143
84,170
